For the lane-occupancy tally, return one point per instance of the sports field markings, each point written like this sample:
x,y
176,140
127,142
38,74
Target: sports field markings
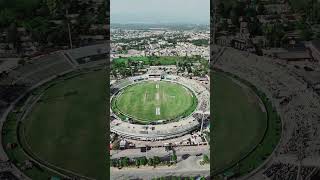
x,y
145,97
157,94
157,111
157,98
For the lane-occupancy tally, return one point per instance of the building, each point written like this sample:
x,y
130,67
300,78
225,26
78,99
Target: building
x,y
155,73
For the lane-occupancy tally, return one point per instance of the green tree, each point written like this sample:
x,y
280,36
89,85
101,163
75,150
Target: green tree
x,y
173,158
114,163
52,6
120,164
251,12
137,162
125,161
261,9
143,161
306,34
114,72
22,62
255,27
206,158
305,31
221,9
156,160
150,162
7,16
12,34
39,28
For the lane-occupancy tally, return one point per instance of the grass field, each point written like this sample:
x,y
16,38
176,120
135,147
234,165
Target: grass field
x,y
150,101
239,121
17,155
67,126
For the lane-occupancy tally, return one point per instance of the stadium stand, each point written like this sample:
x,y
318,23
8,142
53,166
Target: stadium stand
x,y
17,82
168,130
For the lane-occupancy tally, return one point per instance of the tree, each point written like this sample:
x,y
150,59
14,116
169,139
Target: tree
x,y
221,9
225,25
120,163
206,158
250,12
189,69
125,161
22,62
274,33
39,28
7,16
306,34
137,162
114,72
255,27
143,161
237,10
114,163
305,31
156,160
150,162
173,158
52,6
261,9
12,34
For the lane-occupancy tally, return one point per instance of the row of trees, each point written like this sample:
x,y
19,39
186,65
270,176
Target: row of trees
x,y
200,42
187,65
275,33
142,161
37,21
309,8
129,66
277,36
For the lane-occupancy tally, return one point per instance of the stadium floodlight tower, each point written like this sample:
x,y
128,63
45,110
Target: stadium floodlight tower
x,y
203,113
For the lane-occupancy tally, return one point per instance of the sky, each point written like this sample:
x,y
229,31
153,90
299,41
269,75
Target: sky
x,y
160,11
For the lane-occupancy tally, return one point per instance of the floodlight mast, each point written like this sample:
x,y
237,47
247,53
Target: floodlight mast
x,y
69,30
202,122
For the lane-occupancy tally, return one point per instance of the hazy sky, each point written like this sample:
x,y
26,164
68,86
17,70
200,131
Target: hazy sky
x,y
160,11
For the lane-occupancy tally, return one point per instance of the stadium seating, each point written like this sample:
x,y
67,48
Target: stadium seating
x,y
172,129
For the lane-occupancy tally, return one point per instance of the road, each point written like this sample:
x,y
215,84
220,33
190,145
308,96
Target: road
x,y
189,166
192,150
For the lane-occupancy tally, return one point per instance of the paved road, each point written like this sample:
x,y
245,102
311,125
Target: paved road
x,y
186,167
192,150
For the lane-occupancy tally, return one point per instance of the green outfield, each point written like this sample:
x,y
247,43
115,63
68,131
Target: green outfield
x,y
239,123
67,126
151,101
